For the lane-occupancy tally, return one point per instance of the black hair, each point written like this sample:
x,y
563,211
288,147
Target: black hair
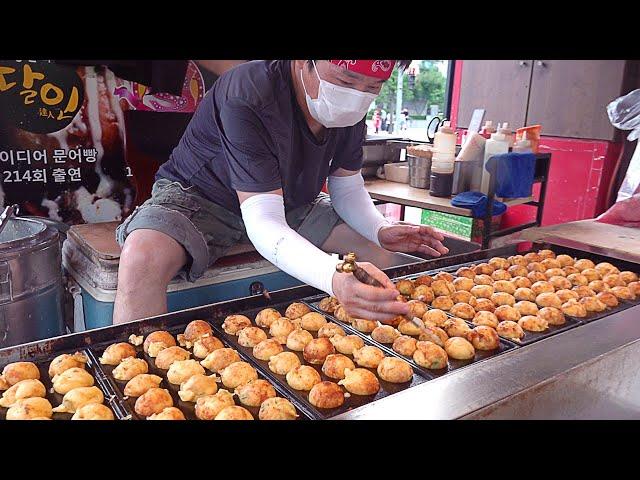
x,y
401,64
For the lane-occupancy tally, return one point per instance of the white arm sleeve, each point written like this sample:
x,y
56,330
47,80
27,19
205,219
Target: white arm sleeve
x,y
352,202
266,225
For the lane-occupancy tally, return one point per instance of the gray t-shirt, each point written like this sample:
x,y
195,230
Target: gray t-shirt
x,y
249,134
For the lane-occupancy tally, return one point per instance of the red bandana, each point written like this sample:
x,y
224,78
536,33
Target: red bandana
x,y
371,68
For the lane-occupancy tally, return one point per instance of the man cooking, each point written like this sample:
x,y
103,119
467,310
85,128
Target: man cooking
x,y
250,168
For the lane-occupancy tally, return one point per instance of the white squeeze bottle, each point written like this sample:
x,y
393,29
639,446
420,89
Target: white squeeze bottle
x,y
445,139
496,145
523,145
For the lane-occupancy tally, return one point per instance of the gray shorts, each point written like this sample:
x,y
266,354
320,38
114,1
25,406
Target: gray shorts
x,y
206,230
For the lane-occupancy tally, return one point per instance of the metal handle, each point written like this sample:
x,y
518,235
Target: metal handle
x,y
9,211
522,63
349,265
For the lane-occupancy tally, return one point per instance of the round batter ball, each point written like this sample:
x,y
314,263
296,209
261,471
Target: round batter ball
x,y
405,287
117,352
518,271
565,260
405,345
518,260
408,328
485,318
347,344
483,337
129,368
277,408
140,384
502,298
507,312
283,362
330,329
30,409
159,337
281,328
424,293
623,293
482,291
546,253
298,339
385,334
499,263
61,363
423,280
574,308
206,345
368,356
326,395
154,400
504,286
603,268
416,308
196,330
238,373
266,317
549,263
170,413
483,269
220,359
303,377
542,287
553,316
570,270
591,274
394,370
434,334
363,325
501,275
511,330
484,305
442,288
69,379
360,382
635,288
463,310
267,349
555,272
628,277
536,267
197,386
592,304
180,371
462,296
466,272
532,257
565,295
234,413
549,300
536,277
459,348
483,280
608,298
429,355
251,336
208,407
599,286
335,365
443,303
463,284
584,291
525,307
456,327
93,411
313,321
533,323
234,323
253,393
317,350
446,276
328,304
559,283
296,310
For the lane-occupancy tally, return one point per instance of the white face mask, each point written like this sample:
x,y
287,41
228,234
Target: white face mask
x,y
337,106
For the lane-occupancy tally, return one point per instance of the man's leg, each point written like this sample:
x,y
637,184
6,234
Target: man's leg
x,y
149,260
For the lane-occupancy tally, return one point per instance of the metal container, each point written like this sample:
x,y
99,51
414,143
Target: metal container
x,y
30,282
419,171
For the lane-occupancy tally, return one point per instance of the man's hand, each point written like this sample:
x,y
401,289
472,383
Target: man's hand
x,y
409,238
364,301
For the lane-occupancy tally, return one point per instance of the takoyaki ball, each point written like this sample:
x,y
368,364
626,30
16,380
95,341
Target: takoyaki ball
x,y
264,318
251,336
317,350
66,361
623,293
566,294
504,286
485,318
368,356
23,389
584,291
424,293
117,352
463,310
603,268
570,270
443,303
433,334
347,344
484,305
549,263
169,413
435,317
446,276
416,308
206,345
511,330
522,294
507,312
423,280
560,283
72,378
502,298
405,287
532,257
628,277
18,371
326,395
613,280
482,291
394,370
408,328
267,349
548,299
196,330
574,308
463,283
208,407
442,287
533,323
583,264
536,277
160,337
608,298
154,400
463,296
404,345
139,384
598,286
180,371
234,323
483,280
283,362
591,274
296,310
518,271
536,267
553,316
360,381
298,339
281,328
402,299
219,359
565,260
555,272
517,260
364,325
277,408
238,373
93,411
525,307
545,254
499,263
456,327
542,287
328,304
197,386
483,337
255,392
429,355
312,321
335,365
466,272
234,413
303,377
330,329
635,288
483,269
129,368
385,334
459,348
501,275
592,304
